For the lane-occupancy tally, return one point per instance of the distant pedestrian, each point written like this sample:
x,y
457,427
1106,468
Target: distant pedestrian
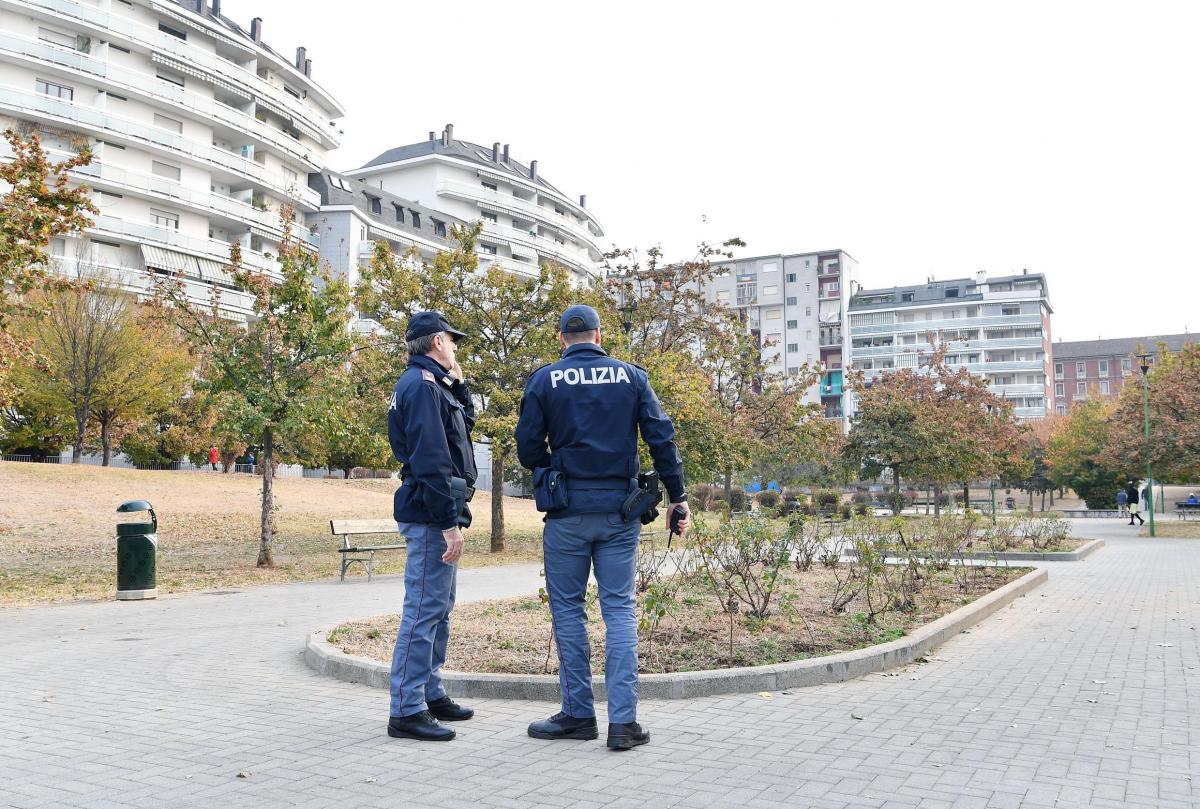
x,y
1147,497
250,460
1193,500
1122,503
213,455
1135,509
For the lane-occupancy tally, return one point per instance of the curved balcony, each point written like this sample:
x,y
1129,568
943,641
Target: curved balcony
x,y
113,127
538,244
515,205
151,38
143,233
139,282
957,323
135,83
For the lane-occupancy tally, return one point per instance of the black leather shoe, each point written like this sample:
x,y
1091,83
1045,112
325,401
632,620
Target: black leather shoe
x,y
421,726
626,736
448,710
564,726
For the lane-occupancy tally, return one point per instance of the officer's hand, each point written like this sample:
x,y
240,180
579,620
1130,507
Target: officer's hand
x,y
454,546
683,523
456,371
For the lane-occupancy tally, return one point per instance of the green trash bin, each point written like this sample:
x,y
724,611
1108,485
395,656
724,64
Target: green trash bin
x,y
137,554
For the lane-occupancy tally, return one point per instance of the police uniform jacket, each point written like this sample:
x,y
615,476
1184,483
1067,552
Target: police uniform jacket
x,y
582,416
430,417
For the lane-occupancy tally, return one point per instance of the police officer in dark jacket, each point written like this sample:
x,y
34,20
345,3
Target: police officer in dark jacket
x,y
581,417
430,417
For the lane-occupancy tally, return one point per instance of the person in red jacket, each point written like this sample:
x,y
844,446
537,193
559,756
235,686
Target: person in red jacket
x,y
212,456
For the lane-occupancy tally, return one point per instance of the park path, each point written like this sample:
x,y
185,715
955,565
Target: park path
x,y
1082,694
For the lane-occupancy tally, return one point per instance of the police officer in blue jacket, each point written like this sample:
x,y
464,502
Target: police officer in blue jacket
x,y
430,417
581,416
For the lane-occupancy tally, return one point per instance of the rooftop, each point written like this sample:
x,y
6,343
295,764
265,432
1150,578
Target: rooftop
x,y
1120,346
339,190
962,289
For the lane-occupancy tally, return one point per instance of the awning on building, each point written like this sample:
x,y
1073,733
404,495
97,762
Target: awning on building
x,y
159,258
203,75
214,272
196,26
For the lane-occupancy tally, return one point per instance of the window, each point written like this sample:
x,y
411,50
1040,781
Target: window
x,y
489,216
791,301
57,38
1104,386
113,96
1103,366
416,219
723,296
166,29
791,278
1010,310
1061,409
1060,389
490,249
747,293
808,334
489,186
376,205
1126,366
774,313
169,77
792,324
163,122
164,219
1080,390
439,227
949,314
793,348
113,47
291,92
808,311
952,293
57,90
771,266
164,170
1058,370
291,175
770,289
1080,370
907,297
398,210
834,287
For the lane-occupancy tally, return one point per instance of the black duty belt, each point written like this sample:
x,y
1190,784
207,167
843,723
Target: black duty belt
x,y
603,484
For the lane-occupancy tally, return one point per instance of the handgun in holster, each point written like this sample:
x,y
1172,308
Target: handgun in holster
x,y
463,492
644,497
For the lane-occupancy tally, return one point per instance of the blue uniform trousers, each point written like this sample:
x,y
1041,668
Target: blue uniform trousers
x,y
572,546
420,652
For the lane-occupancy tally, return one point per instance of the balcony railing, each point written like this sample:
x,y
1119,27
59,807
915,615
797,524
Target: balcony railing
x,y
958,323
538,244
106,24
522,208
1019,390
139,282
134,82
118,128
215,249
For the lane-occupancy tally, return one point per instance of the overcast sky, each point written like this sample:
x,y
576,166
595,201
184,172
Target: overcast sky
x,y
922,138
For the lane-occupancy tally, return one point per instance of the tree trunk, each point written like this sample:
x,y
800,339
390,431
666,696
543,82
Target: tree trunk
x,y
1043,499
966,497
1031,500
105,442
937,502
77,444
729,487
928,498
897,498
1052,498
268,500
497,501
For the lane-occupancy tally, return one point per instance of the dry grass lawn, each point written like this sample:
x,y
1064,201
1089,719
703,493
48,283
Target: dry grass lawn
x,y
513,635
57,529
1173,527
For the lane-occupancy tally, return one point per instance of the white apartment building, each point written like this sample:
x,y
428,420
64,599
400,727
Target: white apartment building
x,y
526,220
200,132
796,305
996,327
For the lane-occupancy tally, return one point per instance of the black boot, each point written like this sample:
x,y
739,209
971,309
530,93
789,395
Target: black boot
x,y
421,726
448,710
626,736
564,726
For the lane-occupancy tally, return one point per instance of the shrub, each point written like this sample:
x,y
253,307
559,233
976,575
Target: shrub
x,y
860,498
861,509
704,496
844,511
737,500
768,499
827,499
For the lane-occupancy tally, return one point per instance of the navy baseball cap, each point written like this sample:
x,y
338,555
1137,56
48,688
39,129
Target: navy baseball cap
x,y
579,318
425,323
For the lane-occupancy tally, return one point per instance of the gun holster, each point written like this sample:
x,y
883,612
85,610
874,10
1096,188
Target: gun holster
x,y
462,494
644,497
549,489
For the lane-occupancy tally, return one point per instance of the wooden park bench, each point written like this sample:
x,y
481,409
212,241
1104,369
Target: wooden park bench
x,y
1184,509
365,553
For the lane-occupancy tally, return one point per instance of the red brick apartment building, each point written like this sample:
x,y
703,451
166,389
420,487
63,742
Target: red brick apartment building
x,y
1100,367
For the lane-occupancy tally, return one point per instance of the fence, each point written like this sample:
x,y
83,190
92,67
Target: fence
x,y
121,462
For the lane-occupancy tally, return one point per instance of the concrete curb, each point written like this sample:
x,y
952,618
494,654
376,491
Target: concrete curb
x,y
1076,555
324,658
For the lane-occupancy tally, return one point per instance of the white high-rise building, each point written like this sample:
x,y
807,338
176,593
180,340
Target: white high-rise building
x,y
796,306
200,132
997,327
526,220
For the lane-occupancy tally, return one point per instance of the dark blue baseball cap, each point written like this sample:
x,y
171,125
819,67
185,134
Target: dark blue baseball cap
x,y
425,323
579,318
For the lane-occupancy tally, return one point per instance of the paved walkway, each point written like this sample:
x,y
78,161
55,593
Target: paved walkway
x,y
1080,695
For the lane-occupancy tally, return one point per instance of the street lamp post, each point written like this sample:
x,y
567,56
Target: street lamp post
x,y
1145,365
992,471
